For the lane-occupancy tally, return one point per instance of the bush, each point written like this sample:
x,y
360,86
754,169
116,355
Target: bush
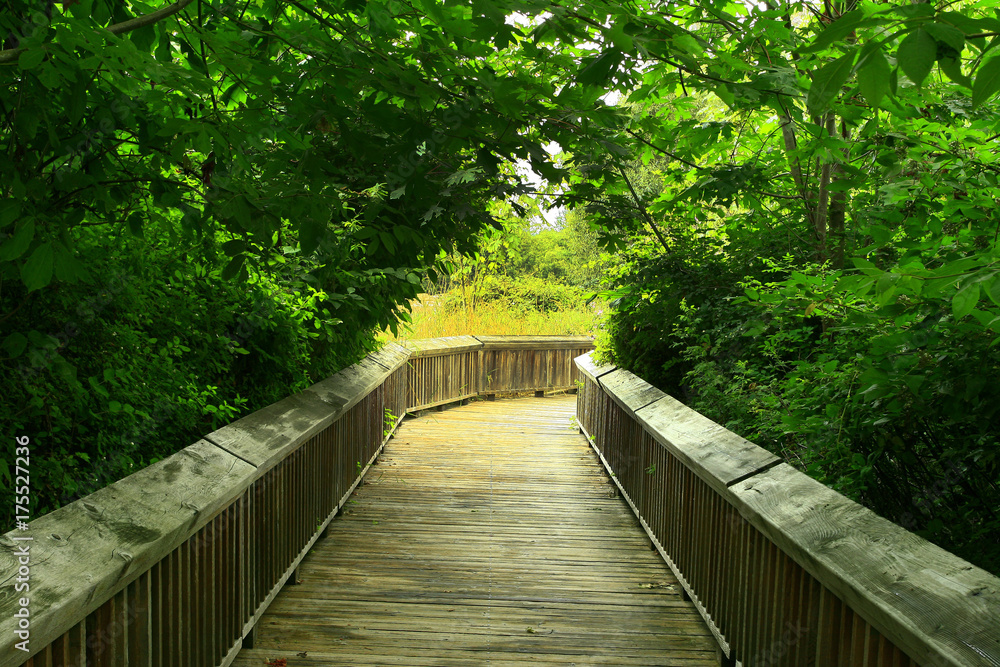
x,y
110,376
521,295
897,414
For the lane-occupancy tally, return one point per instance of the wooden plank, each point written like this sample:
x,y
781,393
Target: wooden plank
x,y
344,389
629,391
536,342
432,347
487,534
938,608
715,454
586,365
391,356
446,401
265,437
94,547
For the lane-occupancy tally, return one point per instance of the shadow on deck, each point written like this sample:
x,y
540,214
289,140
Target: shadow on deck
x,y
487,534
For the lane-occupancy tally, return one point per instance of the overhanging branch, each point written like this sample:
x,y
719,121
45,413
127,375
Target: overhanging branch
x,y
10,55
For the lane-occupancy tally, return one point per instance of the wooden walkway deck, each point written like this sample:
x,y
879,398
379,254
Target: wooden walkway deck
x,y
487,535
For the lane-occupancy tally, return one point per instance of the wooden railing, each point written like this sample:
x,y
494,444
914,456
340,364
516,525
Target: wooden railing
x,y
175,564
785,570
443,370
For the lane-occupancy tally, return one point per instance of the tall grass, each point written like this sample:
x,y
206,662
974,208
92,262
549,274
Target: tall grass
x,y
433,319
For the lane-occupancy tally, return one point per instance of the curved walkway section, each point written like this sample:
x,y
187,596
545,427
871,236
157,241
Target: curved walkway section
x,y
488,534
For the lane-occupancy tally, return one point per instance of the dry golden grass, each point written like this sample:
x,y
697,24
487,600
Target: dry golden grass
x,y
432,320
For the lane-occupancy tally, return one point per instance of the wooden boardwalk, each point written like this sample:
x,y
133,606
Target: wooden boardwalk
x,y
487,535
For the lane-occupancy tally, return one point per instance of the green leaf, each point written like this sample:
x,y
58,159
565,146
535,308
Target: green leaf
x,y
873,78
599,71
31,58
946,34
234,247
311,232
144,37
916,55
987,81
839,29
37,271
952,67
135,224
233,268
77,103
14,344
67,267
993,289
97,387
9,210
828,80
616,35
389,242
18,244
194,60
725,94
916,10
965,300
163,46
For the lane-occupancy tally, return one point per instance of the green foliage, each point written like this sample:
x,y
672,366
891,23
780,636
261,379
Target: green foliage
x,y
895,413
547,254
523,294
805,199
111,376
818,267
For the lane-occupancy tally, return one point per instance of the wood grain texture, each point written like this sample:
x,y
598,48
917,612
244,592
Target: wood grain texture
x,y
536,342
265,437
714,453
629,391
935,606
87,551
344,389
585,365
391,356
488,534
430,347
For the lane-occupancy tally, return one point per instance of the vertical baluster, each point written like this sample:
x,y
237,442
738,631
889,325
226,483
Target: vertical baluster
x,y
140,630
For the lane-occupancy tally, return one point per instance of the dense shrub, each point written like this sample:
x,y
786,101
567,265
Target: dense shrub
x,y
520,294
899,414
157,350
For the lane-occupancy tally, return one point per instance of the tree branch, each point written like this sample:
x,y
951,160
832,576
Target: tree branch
x,y
10,55
645,213
672,156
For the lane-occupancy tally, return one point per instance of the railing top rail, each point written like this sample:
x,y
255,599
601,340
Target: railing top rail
x,y
535,342
429,347
391,356
454,344
84,552
939,608
591,369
